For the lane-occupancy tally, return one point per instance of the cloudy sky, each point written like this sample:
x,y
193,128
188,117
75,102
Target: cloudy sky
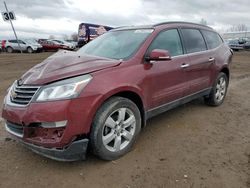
x,y
42,18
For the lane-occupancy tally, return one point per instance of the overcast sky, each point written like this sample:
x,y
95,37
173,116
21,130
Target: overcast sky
x,y
41,18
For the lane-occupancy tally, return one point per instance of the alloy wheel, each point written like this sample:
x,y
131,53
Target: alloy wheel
x,y
220,89
119,129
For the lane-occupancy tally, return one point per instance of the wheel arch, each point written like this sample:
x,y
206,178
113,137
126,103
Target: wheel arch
x,y
134,97
29,47
226,71
130,94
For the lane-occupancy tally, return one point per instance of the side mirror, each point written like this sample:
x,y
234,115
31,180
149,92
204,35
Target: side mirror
x,y
158,55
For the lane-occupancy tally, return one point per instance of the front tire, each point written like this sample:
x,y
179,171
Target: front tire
x,y
219,90
115,128
29,50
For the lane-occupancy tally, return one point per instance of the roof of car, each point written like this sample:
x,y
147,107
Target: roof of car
x,y
162,24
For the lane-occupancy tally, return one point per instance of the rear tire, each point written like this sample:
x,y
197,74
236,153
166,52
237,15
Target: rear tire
x,y
218,92
115,128
9,49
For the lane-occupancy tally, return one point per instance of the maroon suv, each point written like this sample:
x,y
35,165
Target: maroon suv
x,y
101,96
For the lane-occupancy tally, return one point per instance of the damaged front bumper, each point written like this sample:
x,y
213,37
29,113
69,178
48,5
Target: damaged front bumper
x,y
73,152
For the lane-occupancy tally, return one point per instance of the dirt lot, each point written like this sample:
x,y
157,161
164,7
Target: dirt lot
x,y
191,146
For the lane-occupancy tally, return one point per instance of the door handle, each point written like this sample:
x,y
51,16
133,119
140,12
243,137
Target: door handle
x,y
184,65
211,59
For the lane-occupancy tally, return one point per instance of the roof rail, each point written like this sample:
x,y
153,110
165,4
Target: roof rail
x,y
180,22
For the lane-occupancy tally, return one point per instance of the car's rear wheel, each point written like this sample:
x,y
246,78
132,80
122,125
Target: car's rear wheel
x,y
9,49
29,50
218,92
115,128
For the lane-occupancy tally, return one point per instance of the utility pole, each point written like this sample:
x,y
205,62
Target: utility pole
x,y
13,27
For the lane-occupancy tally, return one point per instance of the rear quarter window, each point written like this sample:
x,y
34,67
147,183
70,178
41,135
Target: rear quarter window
x,y
193,40
213,39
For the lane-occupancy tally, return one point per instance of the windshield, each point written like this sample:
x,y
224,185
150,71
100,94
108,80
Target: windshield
x,y
116,44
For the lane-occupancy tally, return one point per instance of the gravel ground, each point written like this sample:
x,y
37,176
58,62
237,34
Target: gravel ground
x,y
190,146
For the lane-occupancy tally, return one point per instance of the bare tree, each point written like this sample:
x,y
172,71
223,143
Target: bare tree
x,y
239,27
74,36
51,37
65,37
203,21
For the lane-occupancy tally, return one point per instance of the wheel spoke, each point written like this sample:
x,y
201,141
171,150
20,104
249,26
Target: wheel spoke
x,y
218,86
221,97
121,114
217,94
110,123
117,144
129,121
221,80
223,84
119,129
108,138
127,135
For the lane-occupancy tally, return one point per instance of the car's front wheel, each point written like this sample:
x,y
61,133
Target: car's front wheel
x,y
115,128
29,50
218,92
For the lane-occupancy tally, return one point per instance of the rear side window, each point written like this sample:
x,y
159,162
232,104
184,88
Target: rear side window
x,y
213,39
167,40
194,42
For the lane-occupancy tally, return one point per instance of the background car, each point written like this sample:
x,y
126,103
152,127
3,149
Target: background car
x,y
26,46
235,45
49,45
70,46
247,45
33,42
72,42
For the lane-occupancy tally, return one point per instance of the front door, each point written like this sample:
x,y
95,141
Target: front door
x,y
166,79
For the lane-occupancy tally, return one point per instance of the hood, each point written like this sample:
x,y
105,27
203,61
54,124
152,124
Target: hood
x,y
64,64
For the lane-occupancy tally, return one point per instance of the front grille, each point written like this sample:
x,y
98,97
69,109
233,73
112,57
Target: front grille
x,y
15,129
23,94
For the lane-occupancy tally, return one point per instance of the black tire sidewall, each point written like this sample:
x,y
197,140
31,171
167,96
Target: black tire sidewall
x,y
31,50
9,51
102,114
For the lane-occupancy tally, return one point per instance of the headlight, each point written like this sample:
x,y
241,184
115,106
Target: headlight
x,y
65,89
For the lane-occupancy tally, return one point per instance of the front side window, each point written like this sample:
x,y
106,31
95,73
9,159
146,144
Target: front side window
x,y
193,40
213,39
167,40
116,44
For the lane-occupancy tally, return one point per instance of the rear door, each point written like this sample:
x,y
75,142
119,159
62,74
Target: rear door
x,y
166,79
198,70
14,44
